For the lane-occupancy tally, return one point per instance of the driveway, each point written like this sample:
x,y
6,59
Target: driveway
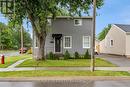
x,y
117,60
67,83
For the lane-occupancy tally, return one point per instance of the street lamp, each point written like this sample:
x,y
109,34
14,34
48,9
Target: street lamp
x,y
93,37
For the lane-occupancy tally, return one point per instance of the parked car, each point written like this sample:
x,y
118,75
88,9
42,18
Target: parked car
x,y
23,49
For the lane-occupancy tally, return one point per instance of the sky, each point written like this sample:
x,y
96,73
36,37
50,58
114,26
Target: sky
x,y
112,12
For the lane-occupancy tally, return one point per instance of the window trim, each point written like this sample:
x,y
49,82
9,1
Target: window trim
x,y
78,24
89,42
110,42
49,22
70,42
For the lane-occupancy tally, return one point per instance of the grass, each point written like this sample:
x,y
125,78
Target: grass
x,y
13,59
64,63
40,73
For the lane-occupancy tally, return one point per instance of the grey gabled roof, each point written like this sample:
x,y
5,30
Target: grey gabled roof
x,y
124,27
75,17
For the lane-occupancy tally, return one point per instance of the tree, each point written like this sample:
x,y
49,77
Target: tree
x,y
104,32
10,38
37,12
16,33
5,36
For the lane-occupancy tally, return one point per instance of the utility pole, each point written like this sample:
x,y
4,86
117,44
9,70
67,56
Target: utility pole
x,y
33,41
0,40
93,37
21,39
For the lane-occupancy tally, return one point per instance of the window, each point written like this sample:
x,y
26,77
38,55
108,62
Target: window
x,y
111,43
86,42
49,21
77,22
67,41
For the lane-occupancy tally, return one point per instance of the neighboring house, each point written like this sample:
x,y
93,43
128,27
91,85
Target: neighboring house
x,y
67,33
97,45
117,41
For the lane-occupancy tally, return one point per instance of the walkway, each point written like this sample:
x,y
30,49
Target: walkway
x,y
17,63
65,68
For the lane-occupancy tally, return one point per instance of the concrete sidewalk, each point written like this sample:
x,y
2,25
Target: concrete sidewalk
x,y
65,68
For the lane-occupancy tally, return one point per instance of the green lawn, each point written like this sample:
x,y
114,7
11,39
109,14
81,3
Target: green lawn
x,y
13,59
39,73
71,62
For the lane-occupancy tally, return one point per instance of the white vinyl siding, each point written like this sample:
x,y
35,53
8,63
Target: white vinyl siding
x,y
67,42
86,41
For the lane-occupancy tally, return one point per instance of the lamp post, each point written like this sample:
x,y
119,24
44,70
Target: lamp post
x,y
93,37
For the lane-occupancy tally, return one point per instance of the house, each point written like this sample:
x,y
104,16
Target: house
x,y
67,33
117,41
97,45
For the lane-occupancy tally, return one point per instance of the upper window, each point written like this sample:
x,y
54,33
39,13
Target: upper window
x,y
111,43
77,22
67,41
86,42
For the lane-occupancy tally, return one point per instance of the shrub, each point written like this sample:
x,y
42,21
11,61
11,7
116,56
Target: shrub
x,y
57,56
67,55
87,55
51,56
76,55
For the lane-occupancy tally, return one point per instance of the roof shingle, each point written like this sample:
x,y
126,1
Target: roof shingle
x,y
124,27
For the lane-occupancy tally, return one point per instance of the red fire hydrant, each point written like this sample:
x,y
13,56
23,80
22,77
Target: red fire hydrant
x,y
2,59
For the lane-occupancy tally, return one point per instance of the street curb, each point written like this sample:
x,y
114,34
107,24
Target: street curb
x,y
59,78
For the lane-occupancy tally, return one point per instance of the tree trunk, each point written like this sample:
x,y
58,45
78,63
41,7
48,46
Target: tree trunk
x,y
41,45
41,37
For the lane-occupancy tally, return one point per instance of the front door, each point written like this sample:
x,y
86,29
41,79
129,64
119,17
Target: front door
x,y
57,45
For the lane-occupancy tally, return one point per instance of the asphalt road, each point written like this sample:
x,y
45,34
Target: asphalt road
x,y
67,83
10,54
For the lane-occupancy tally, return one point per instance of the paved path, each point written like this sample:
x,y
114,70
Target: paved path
x,y
67,83
17,63
65,68
117,60
12,67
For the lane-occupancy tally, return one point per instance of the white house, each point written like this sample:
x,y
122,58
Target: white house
x,y
117,41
